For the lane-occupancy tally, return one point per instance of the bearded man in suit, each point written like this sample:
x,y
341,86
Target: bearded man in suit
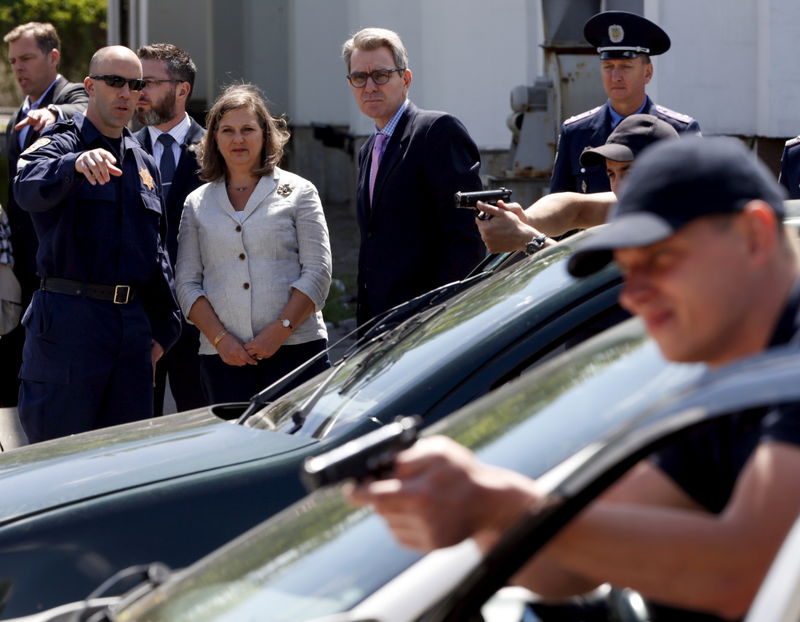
x,y
171,136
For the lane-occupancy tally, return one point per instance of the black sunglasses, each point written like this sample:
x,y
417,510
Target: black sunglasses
x,y
117,82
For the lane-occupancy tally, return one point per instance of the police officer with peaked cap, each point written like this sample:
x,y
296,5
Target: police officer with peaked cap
x,y
625,43
105,310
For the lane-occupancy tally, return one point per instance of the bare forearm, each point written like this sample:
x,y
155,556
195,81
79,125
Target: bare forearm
x,y
560,212
203,316
298,308
683,558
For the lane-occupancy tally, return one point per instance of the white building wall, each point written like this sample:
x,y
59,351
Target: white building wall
x,y
465,56
733,64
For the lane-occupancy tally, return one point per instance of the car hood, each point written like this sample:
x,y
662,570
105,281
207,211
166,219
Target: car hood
x,y
93,464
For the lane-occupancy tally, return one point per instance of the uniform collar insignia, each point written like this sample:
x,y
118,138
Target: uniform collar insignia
x,y
147,178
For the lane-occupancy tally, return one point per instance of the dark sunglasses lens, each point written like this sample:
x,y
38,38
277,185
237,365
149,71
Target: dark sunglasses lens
x,y
136,84
114,81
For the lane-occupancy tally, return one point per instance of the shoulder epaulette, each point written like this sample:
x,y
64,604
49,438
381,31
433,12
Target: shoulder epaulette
x,y
58,127
582,115
792,142
678,116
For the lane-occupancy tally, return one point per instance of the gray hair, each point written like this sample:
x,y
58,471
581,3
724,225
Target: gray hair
x,y
369,39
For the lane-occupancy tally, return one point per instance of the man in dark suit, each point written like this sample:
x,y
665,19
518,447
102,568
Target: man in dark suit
x,y
34,51
625,42
413,238
171,136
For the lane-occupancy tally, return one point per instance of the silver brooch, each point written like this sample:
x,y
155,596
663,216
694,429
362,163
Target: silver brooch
x,y
285,190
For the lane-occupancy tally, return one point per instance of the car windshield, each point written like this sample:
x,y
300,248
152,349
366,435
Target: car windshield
x,y
401,359
322,556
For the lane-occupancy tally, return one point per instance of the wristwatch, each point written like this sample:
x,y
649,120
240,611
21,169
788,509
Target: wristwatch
x,y
54,109
286,323
536,244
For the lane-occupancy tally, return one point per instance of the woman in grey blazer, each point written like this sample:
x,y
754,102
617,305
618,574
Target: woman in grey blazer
x,y
254,260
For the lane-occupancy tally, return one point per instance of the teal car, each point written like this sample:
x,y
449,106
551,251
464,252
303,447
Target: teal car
x,y
78,509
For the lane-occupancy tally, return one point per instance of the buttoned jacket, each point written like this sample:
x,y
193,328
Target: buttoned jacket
x,y
246,270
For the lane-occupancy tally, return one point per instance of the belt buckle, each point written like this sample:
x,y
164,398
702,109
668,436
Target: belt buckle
x,y
122,294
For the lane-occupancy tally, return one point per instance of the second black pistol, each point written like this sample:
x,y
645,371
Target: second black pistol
x,y
469,200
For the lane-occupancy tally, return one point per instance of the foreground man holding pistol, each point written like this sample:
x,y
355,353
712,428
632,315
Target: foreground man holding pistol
x,y
699,239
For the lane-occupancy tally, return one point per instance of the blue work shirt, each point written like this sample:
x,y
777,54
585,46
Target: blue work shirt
x,y
107,234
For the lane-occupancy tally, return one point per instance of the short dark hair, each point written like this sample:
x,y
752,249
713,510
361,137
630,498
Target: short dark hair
x,y
180,65
44,32
276,134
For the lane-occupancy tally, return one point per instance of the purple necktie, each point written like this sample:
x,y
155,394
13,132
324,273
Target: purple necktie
x,y
377,152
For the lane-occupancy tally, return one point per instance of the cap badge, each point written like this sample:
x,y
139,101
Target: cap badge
x,y
616,33
147,178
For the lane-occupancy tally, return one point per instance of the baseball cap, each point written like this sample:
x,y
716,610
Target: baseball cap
x,y
619,34
631,136
674,182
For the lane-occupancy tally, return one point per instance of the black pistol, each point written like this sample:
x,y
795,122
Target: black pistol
x,y
369,455
469,200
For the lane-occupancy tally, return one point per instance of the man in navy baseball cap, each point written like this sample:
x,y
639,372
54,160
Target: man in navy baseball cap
x,y
673,184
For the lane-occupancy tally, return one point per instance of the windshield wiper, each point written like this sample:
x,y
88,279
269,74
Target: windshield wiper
x,y
373,330
266,395
404,330
301,413
150,577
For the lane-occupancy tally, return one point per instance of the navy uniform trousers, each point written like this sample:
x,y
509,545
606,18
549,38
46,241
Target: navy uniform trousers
x,y
81,357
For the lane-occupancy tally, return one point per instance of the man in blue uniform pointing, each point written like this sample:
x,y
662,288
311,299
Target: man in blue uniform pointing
x,y
625,42
105,310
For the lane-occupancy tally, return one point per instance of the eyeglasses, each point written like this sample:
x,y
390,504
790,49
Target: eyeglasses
x,y
117,82
149,82
379,76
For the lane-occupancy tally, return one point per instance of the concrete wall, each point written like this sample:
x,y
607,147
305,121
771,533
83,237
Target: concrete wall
x,y
465,56
733,65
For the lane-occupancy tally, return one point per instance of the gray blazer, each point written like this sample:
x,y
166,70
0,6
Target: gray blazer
x,y
246,263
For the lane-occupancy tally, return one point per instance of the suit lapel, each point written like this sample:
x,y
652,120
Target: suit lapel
x,y
602,126
186,171
48,99
362,186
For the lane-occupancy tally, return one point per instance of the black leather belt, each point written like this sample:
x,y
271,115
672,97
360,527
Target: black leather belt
x,y
118,294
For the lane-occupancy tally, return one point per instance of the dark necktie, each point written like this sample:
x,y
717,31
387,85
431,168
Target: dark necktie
x,y
167,165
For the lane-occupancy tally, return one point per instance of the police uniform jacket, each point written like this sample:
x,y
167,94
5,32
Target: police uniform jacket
x,y
592,129
790,167
108,234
